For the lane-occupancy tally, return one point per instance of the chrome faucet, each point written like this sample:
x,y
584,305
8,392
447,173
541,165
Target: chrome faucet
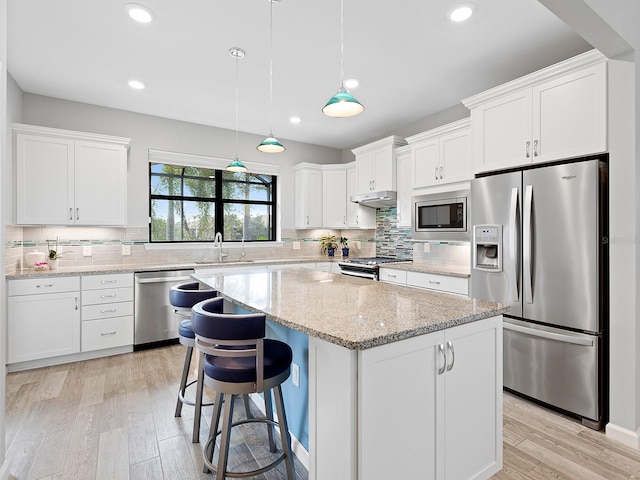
x,y
217,243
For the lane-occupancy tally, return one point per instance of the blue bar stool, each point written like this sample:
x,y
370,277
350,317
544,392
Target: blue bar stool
x,y
238,360
182,297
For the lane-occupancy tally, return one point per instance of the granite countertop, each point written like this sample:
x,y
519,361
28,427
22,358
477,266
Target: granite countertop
x,y
109,269
355,313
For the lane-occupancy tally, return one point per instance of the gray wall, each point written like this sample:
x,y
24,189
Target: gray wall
x,y
149,132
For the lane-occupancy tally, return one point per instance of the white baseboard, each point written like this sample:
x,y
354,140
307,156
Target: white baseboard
x,y
75,357
623,435
296,446
4,471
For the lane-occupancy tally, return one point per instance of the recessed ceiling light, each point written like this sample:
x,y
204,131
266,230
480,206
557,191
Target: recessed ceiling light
x,y
462,12
295,120
139,13
137,84
351,83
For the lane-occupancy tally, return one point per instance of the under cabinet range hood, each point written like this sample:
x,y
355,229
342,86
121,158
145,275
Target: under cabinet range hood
x,y
386,198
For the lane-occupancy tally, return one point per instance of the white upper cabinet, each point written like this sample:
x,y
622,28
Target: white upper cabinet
x,y
558,112
334,198
358,216
375,165
69,178
405,188
441,155
308,195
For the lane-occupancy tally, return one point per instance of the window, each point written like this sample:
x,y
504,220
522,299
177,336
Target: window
x,y
191,204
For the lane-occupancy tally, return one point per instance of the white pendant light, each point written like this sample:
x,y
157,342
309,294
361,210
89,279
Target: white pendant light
x,y
236,165
342,104
271,143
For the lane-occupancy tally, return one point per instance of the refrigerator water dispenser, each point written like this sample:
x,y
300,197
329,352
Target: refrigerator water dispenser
x,y
487,248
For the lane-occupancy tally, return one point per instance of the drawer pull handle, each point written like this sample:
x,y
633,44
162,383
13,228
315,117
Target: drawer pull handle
x,y
434,283
108,333
108,296
391,276
113,310
108,281
49,285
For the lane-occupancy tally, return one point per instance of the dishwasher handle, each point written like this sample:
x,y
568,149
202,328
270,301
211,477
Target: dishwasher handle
x,y
162,279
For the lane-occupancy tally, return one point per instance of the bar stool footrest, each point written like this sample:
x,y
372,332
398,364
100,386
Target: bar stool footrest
x,y
189,402
209,467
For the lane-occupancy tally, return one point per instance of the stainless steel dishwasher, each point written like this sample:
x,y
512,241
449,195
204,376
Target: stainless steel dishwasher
x,y
154,319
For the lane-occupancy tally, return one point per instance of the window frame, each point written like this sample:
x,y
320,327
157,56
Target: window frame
x,y
218,202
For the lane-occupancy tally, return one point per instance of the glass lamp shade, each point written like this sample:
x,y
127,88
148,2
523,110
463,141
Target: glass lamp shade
x,y
271,145
342,104
236,166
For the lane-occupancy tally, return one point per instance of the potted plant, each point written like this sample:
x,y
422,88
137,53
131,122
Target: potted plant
x,y
54,255
328,244
344,241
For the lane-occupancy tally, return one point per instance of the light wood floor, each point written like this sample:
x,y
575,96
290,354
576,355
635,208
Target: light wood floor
x,y
112,419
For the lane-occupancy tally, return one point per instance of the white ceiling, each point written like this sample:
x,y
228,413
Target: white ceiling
x,y
410,59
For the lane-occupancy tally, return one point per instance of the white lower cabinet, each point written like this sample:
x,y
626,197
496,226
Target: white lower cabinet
x,y
107,311
428,407
432,281
43,318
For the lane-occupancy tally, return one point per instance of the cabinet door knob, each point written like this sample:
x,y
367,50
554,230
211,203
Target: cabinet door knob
x,y
535,148
435,174
440,173
77,213
527,147
70,213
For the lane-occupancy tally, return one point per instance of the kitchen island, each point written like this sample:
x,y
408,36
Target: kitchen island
x,y
402,382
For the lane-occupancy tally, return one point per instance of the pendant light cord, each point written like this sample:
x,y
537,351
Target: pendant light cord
x,y
341,43
271,68
237,109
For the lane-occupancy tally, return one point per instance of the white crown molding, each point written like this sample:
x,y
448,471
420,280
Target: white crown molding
x,y
444,129
68,134
584,60
393,140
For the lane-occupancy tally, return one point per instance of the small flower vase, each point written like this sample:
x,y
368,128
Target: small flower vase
x,y
345,252
331,251
53,264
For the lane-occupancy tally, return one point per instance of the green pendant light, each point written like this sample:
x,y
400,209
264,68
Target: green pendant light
x,y
342,104
236,165
271,143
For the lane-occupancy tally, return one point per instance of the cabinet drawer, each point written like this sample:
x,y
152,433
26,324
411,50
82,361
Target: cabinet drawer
x,y
108,295
107,333
37,286
96,282
118,309
443,283
393,276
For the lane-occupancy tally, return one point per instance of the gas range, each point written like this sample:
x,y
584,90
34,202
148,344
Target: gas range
x,y
365,267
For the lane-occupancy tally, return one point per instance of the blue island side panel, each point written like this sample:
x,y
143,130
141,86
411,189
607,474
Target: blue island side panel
x,y
296,399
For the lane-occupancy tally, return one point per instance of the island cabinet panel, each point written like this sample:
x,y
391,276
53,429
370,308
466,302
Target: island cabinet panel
x,y
332,411
398,409
430,407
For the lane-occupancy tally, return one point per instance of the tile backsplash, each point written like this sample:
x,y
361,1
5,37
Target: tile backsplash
x,y
391,240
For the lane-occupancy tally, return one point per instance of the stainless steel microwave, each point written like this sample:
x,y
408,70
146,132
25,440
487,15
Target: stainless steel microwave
x,y
441,216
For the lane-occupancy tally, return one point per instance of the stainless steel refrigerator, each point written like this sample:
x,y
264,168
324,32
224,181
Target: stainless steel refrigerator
x,y
540,245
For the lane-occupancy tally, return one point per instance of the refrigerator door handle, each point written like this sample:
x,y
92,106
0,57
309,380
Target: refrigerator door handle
x,y
587,342
513,241
527,241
